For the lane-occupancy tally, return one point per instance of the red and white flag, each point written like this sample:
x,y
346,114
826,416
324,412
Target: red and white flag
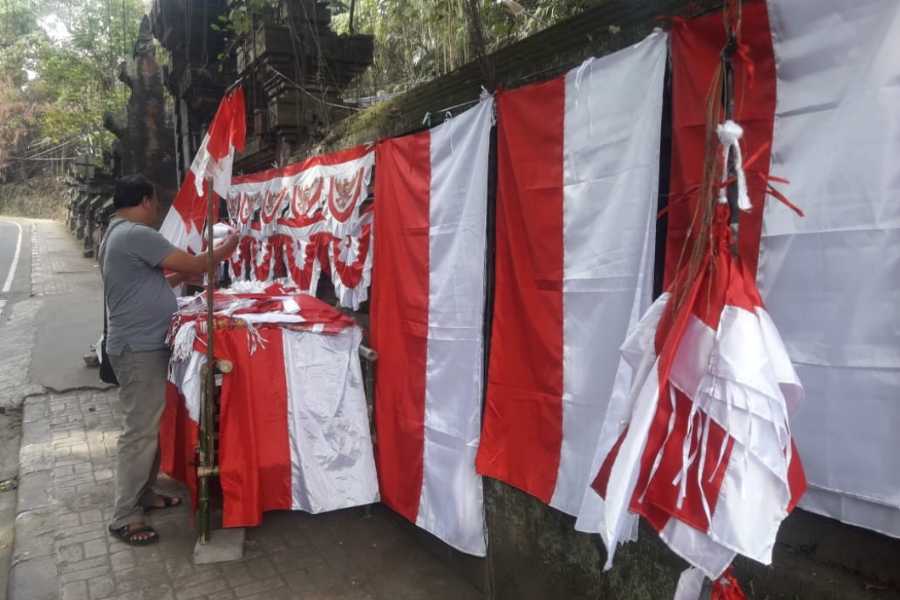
x,y
578,166
183,224
293,427
829,280
427,324
832,279
701,447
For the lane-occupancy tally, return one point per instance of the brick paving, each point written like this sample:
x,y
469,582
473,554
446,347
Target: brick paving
x,y
43,283
346,555
57,266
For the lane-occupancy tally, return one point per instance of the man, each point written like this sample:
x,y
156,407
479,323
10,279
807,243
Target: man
x,y
140,304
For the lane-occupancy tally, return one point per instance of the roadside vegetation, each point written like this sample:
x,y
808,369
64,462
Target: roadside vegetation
x,y
38,197
58,76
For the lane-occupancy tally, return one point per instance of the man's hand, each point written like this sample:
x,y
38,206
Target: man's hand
x,y
182,262
226,248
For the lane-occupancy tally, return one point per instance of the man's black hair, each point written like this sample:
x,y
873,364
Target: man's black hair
x,y
131,190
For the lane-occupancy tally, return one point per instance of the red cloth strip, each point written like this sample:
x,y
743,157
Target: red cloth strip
x,y
399,317
522,431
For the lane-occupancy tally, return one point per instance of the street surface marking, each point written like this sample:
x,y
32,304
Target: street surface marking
x,y
15,260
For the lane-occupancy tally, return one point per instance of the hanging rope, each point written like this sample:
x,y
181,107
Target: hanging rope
x,y
731,20
297,86
719,103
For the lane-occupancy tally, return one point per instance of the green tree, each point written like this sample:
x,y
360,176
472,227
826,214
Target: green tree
x,y
417,40
58,65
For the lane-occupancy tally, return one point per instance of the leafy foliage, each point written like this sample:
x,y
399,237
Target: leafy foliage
x,y
239,18
417,40
59,58
58,62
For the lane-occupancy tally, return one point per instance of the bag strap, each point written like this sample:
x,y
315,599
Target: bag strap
x,y
101,258
102,253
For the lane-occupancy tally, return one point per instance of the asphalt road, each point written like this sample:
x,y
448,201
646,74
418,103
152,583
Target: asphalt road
x,y
69,317
10,240
15,284
15,262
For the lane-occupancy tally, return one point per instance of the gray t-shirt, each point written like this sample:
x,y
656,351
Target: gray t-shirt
x,y
139,300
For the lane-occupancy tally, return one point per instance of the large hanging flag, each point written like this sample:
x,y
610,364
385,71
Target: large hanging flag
x,y
427,324
701,446
829,280
578,167
183,225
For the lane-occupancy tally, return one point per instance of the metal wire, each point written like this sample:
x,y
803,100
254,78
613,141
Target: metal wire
x,y
310,94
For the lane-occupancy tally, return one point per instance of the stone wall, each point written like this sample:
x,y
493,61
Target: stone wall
x,y
145,141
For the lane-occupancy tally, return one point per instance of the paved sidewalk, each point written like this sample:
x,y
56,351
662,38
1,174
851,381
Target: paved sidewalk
x,y
339,556
71,314
66,473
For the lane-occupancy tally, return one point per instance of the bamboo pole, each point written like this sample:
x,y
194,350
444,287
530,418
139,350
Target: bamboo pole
x,y
202,466
207,441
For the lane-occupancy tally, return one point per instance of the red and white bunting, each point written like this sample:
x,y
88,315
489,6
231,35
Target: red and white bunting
x,y
701,446
302,219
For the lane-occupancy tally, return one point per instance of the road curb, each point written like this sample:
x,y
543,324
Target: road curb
x,y
33,572
28,580
28,559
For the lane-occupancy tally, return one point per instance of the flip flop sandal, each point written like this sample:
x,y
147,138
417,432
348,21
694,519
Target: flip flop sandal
x,y
168,502
142,536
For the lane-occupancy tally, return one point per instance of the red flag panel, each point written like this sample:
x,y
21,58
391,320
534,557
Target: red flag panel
x,y
522,432
399,324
